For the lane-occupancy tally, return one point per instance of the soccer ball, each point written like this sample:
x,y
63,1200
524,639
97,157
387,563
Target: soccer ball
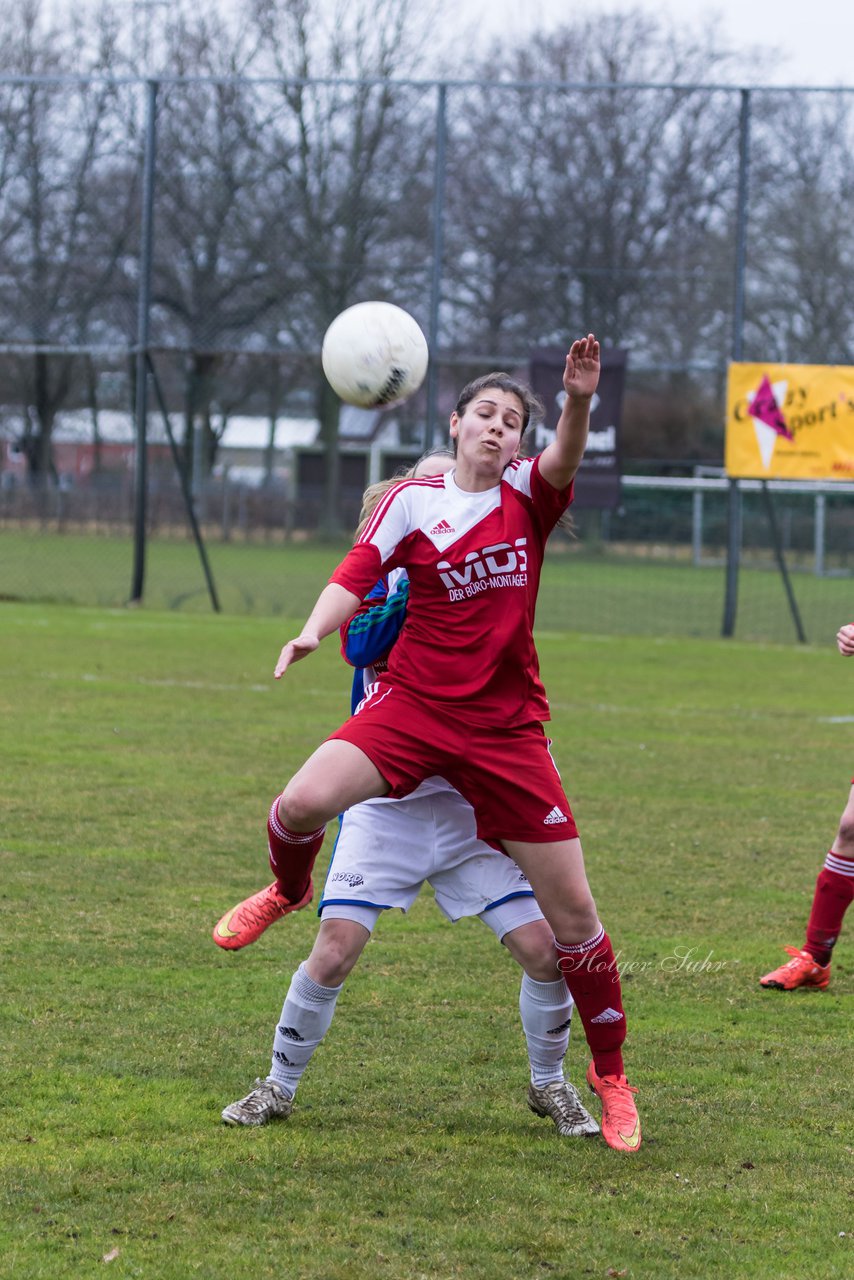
x,y
374,354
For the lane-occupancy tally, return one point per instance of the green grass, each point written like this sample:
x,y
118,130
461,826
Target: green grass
x,y
595,589
140,751
73,568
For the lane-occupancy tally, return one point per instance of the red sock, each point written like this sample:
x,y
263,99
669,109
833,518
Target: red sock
x,y
834,891
590,972
292,855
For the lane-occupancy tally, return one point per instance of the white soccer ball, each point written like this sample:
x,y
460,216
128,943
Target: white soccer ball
x,y
374,354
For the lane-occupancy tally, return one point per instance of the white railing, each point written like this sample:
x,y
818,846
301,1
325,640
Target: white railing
x,y
700,484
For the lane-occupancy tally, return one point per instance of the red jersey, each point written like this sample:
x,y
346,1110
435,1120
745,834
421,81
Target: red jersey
x,y
473,562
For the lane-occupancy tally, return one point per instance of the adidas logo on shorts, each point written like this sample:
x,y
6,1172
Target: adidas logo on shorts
x,y
554,818
608,1015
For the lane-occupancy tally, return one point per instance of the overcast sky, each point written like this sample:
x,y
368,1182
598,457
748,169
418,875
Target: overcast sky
x,y
815,38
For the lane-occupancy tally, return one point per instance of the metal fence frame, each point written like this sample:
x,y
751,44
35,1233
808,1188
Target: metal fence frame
x,y
140,348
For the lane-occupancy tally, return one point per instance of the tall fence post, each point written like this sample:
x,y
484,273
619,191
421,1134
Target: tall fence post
x,y
734,518
697,528
819,533
142,342
436,269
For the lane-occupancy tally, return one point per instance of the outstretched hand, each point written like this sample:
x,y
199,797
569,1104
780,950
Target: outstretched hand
x,y
301,647
845,640
581,374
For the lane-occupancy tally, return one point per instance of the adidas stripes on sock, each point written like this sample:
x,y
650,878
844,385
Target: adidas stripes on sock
x,y
292,855
834,892
590,972
306,1016
546,1010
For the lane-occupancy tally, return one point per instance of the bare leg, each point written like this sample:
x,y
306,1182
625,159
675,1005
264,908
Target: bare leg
x,y
834,892
545,1007
532,946
844,842
337,776
304,1021
337,947
585,955
312,996
557,876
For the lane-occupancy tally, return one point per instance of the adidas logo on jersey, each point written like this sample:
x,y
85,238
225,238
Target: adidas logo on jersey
x,y
608,1015
554,818
441,528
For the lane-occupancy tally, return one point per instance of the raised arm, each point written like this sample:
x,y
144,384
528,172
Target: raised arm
x,y
334,606
560,460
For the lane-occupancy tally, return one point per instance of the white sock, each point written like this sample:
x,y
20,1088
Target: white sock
x,y
546,1009
306,1017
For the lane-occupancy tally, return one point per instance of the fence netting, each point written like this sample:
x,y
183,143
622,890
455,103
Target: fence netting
x,y
504,222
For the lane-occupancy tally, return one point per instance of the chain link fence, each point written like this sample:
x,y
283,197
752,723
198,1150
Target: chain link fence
x,y
209,230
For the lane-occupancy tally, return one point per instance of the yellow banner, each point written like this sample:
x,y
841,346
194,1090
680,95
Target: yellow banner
x,y
790,421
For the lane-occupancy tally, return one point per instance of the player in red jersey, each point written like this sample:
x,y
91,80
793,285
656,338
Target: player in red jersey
x,y
834,891
472,543
384,852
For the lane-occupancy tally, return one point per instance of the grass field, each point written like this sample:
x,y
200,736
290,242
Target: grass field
x,y
650,593
140,752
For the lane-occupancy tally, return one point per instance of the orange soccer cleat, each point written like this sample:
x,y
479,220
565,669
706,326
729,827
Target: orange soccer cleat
x,y
620,1123
246,922
801,971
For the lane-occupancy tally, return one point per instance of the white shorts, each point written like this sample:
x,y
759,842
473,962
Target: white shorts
x,y
386,849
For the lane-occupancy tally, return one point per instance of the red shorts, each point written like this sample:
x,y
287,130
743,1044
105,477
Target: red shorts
x,y
508,777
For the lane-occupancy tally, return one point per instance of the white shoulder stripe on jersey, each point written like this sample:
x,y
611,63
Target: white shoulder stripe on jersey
x,y
518,475
430,482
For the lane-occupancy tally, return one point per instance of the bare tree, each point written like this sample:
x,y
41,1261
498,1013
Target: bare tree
x,y
590,181
66,213
801,241
212,279
595,206
348,147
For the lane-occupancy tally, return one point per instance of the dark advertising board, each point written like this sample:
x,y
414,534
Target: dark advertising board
x,y
598,481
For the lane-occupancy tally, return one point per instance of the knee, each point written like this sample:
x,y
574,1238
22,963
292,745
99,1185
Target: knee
x,y
297,808
329,969
532,946
336,950
542,965
578,921
844,842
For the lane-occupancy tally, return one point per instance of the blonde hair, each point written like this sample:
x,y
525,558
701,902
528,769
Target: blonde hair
x,y
374,492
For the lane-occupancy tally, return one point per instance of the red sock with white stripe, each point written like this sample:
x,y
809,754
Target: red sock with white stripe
x,y
590,972
292,855
834,892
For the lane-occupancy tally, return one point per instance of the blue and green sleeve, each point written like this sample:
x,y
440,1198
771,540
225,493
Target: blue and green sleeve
x,y
372,631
